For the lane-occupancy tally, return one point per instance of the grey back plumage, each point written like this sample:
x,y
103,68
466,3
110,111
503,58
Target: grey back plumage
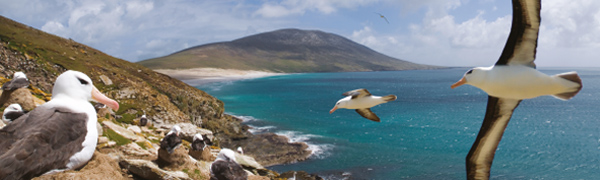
x,y
39,141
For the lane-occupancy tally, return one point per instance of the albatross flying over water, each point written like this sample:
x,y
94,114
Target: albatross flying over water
x,y
512,79
56,136
362,101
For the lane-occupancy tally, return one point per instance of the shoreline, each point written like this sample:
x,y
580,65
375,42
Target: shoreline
x,y
200,76
280,149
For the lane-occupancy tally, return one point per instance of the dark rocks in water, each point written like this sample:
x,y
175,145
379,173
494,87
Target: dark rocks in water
x,y
271,149
299,175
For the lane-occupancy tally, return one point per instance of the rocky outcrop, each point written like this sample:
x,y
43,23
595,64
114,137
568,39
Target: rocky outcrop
x,y
202,155
271,149
299,175
148,170
101,166
126,133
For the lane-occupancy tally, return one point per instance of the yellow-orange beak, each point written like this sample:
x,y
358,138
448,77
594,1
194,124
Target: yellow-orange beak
x,y
459,83
101,98
332,110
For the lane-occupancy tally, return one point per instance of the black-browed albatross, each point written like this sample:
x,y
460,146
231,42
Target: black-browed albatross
x,y
56,136
143,120
198,143
225,167
171,141
19,80
12,112
512,79
361,100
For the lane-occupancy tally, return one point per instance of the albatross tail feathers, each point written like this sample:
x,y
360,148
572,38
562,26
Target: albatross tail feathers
x,y
389,98
573,77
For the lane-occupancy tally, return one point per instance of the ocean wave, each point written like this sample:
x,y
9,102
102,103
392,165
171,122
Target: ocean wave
x,y
260,129
246,118
319,151
209,84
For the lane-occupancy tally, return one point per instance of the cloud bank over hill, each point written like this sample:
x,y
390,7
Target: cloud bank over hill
x,y
438,32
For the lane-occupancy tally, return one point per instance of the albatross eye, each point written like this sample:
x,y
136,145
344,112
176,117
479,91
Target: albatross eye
x,y
84,82
470,71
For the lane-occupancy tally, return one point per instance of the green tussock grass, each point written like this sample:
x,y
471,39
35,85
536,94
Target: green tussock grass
x,y
143,145
114,136
195,174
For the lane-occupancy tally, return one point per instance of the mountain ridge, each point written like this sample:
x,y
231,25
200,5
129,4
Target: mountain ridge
x,y
286,51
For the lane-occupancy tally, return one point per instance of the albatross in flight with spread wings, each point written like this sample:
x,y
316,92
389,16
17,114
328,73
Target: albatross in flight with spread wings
x,y
512,79
361,100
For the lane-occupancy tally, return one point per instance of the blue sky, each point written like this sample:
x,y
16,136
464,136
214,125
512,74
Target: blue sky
x,y
438,32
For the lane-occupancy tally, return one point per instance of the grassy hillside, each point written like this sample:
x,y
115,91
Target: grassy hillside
x,y
138,89
287,50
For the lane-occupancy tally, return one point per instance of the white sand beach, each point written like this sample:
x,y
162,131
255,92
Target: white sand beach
x,y
198,76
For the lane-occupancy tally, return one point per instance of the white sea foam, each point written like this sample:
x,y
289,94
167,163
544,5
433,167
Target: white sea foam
x,y
260,129
246,118
319,151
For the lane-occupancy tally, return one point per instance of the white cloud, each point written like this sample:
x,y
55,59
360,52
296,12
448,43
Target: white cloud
x,y
439,39
299,7
448,32
53,26
136,9
571,23
273,10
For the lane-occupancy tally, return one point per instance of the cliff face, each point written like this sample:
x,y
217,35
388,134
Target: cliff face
x,y
286,50
139,90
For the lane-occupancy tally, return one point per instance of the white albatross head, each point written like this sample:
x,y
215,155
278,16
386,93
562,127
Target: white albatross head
x,y
340,104
13,108
473,77
198,137
175,129
19,74
226,155
77,85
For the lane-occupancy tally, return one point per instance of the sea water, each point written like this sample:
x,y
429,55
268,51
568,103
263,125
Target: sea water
x,y
426,133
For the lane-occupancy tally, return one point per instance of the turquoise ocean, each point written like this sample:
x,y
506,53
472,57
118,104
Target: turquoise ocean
x,y
426,133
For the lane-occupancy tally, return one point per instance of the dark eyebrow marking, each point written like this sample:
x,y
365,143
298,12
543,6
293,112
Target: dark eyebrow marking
x,y
84,82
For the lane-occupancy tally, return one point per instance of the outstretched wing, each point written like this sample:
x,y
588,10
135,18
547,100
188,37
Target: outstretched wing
x,y
481,155
357,93
521,45
367,113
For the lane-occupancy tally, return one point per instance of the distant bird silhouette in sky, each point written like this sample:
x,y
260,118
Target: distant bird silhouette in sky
x,y
381,15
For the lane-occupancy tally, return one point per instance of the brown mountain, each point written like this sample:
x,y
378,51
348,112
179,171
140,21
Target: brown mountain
x,y
286,50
